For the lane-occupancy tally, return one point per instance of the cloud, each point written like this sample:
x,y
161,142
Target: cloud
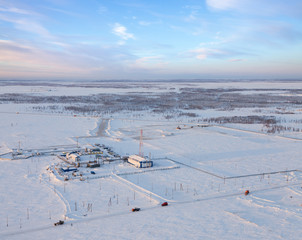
x,y
194,7
21,59
147,23
102,9
70,13
223,4
192,17
11,8
26,24
23,56
61,44
270,34
149,63
33,27
8,45
281,32
236,60
121,31
143,60
259,7
203,53
15,10
144,23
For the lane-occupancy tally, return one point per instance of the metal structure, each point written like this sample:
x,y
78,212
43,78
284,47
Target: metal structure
x,y
141,145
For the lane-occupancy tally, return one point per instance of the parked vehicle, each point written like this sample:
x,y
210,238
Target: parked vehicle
x,y
246,192
164,204
135,209
61,222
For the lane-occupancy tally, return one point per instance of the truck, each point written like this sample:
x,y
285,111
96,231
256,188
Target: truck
x,y
60,222
136,209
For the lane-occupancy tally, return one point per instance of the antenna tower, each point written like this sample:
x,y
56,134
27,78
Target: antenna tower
x,y
141,153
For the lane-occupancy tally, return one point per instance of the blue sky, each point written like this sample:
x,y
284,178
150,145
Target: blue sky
x,y
140,39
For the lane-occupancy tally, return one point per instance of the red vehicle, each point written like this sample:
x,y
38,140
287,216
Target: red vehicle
x,y
164,204
135,209
246,192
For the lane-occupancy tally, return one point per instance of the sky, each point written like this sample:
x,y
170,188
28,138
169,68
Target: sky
x,y
150,40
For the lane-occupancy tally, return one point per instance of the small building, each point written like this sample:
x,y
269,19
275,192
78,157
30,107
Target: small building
x,y
93,165
69,169
92,151
139,161
74,156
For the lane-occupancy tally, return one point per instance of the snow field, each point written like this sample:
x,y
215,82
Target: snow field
x,y
211,169
38,131
26,201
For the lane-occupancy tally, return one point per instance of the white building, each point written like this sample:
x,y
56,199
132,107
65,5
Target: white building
x,y
140,162
74,156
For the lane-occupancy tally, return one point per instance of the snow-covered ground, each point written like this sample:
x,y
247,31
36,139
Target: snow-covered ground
x,y
202,172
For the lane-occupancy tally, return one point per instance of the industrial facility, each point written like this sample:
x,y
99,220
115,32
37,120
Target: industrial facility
x,y
140,162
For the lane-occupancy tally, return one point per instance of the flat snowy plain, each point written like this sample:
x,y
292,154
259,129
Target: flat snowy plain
x,y
202,170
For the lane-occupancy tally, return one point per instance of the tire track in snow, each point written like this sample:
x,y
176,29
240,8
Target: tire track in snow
x,y
174,204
